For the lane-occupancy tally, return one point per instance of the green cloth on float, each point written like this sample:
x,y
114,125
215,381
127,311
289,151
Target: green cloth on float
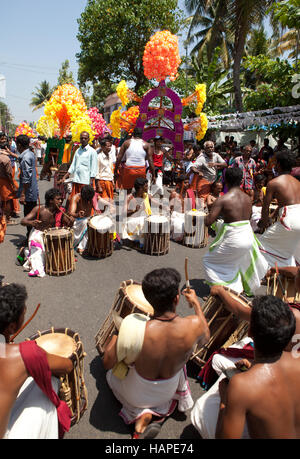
x,y
59,144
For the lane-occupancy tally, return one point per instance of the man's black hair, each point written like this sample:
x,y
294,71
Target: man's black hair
x,y
51,194
12,303
272,325
23,140
161,287
140,182
233,176
286,159
87,193
138,132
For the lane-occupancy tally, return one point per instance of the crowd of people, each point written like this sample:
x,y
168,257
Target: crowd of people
x,y
247,197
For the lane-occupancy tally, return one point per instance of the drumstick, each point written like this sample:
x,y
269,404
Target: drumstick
x,y
11,339
66,215
38,214
187,282
279,280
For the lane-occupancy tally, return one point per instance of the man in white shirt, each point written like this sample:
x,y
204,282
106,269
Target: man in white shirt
x,y
205,170
105,176
84,165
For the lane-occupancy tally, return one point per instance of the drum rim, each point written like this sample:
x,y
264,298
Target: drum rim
x,y
63,331
239,295
66,231
125,292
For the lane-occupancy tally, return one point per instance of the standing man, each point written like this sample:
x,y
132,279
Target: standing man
x,y
206,169
8,187
136,152
28,191
248,166
279,242
105,176
234,259
84,165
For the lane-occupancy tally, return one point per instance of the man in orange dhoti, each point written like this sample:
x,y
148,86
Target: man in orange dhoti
x,y
8,187
105,177
136,152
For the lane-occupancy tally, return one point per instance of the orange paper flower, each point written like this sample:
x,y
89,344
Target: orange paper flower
x,y
161,56
129,118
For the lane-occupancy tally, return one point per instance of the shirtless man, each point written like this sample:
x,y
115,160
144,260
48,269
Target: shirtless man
x,y
267,395
168,343
231,254
280,240
13,372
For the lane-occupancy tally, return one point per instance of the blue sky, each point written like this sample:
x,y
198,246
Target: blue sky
x,y
36,37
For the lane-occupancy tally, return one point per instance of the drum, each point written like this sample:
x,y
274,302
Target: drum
x,y
195,232
288,290
129,299
100,236
225,328
66,343
59,251
157,235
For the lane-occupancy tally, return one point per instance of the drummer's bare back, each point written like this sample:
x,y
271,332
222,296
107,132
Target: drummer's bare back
x,y
80,208
234,206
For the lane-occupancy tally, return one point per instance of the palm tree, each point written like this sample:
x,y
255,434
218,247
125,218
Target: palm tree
x,y
41,95
290,42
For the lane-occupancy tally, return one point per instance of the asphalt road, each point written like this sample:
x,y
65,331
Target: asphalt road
x,y
81,301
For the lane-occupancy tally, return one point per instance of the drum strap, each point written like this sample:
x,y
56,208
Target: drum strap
x,y
162,319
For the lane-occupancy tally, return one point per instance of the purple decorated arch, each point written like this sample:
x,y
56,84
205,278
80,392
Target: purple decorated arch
x,y
156,122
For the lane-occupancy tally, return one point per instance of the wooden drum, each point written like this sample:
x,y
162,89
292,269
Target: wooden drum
x,y
59,251
129,299
100,236
157,235
66,343
288,294
225,328
195,232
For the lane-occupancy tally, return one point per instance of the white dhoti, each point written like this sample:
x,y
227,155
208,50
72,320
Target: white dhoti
x,y
33,416
35,257
234,259
80,233
255,217
157,187
134,229
280,241
158,397
177,226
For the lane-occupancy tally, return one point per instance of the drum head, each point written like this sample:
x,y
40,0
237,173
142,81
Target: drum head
x,y
196,213
57,232
101,223
157,219
57,343
135,294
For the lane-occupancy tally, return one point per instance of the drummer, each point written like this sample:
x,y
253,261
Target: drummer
x,y
262,400
38,414
41,218
157,379
137,208
181,200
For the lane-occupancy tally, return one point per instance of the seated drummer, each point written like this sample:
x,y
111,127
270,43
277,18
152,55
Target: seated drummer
x,y
41,218
263,400
181,200
157,378
215,192
38,414
84,205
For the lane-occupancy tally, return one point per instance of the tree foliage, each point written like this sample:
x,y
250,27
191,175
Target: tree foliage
x,y
65,75
113,35
41,95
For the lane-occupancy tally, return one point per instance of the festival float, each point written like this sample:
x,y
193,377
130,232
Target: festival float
x,y
159,111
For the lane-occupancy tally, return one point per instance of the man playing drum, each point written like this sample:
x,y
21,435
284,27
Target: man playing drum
x,y
182,199
233,258
29,405
82,206
279,242
157,379
262,402
39,219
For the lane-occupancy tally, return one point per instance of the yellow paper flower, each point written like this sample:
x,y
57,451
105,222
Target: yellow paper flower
x,y
46,126
201,97
203,126
122,91
115,123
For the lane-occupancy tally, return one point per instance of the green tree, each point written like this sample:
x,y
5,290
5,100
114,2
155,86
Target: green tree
x,y
41,95
113,35
65,75
5,117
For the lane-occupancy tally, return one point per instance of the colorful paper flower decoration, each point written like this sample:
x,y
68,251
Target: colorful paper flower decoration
x,y
68,109
24,129
98,122
199,95
161,56
201,131
129,118
115,123
47,127
122,91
